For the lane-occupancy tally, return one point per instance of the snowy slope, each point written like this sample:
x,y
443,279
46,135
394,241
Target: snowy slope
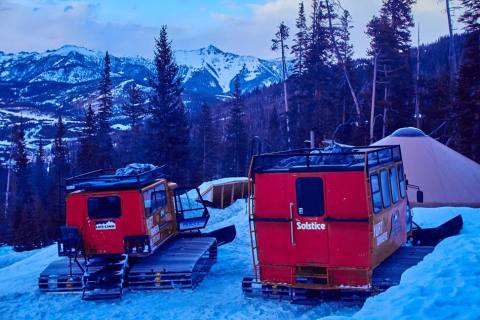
x,y
443,286
66,80
74,65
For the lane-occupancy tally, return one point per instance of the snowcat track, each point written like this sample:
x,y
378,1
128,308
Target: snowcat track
x,y
104,277
386,275
182,264
58,278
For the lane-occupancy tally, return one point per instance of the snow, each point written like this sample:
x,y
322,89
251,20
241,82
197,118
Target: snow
x,y
219,295
206,185
224,66
68,49
444,286
121,127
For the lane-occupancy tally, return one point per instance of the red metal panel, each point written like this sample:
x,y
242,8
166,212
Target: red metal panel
x,y
349,244
131,222
346,195
350,278
277,274
273,194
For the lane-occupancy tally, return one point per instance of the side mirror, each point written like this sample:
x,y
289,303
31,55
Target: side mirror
x,y
419,196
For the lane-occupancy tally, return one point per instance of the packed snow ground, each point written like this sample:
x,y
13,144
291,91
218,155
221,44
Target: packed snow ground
x,y
444,286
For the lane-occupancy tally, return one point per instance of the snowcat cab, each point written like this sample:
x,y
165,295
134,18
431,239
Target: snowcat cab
x,y
329,224
137,230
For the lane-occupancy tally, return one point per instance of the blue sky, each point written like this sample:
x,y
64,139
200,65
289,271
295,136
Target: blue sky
x,y
129,27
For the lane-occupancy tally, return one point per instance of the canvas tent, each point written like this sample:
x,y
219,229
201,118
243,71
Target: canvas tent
x,y
446,177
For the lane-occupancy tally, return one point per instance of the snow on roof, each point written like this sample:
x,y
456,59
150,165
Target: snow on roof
x,y
207,185
408,132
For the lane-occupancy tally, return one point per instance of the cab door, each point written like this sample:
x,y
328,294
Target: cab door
x,y
104,227
309,230
159,221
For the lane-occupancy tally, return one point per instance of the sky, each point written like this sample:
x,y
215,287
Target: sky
x,y
128,28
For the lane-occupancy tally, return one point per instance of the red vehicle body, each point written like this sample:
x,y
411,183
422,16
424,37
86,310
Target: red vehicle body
x,y
109,234
117,215
325,221
134,229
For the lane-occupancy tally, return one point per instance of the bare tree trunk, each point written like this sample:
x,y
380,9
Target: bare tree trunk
x,y
417,93
341,61
204,157
7,189
385,108
451,50
285,98
374,87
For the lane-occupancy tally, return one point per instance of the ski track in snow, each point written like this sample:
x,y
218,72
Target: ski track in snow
x,y
443,286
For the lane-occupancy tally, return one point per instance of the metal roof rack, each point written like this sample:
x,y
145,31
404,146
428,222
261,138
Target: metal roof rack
x,y
347,159
106,179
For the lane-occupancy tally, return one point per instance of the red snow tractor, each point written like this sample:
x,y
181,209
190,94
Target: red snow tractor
x,y
332,225
137,230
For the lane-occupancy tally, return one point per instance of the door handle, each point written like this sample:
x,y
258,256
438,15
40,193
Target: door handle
x,y
292,236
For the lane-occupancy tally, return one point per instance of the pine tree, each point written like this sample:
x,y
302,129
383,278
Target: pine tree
x,y
275,131
471,15
206,145
25,232
315,111
168,130
390,43
468,91
130,146
279,43
236,136
86,158
299,47
134,109
104,152
59,171
40,201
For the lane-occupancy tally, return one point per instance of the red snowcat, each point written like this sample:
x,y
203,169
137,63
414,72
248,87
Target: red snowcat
x,y
332,225
137,230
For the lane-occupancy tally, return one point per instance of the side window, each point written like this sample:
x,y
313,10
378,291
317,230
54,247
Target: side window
x,y
376,196
159,199
401,176
104,207
394,184
386,193
154,199
310,198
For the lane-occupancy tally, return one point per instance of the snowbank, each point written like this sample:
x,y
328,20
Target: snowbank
x,y
444,286
219,296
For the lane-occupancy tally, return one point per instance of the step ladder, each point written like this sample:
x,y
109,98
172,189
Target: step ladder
x,y
251,222
104,277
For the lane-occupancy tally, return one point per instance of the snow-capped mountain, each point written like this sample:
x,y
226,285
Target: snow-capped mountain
x,y
209,71
34,86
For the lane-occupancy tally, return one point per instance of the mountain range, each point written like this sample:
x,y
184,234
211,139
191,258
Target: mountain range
x,y
36,86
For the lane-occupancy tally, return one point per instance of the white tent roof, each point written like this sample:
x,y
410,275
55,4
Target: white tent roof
x,y
446,177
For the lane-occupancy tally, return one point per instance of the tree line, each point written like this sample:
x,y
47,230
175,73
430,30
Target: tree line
x,y
359,101
353,101
161,132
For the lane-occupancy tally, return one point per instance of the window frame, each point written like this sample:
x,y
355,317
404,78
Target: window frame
x,y
149,196
402,179
392,183
375,174
297,199
116,216
388,186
